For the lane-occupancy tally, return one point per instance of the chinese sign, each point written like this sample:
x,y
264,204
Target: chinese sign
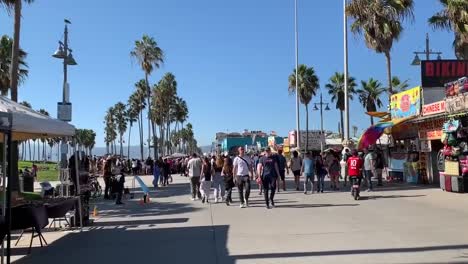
x,y
434,108
431,129
406,104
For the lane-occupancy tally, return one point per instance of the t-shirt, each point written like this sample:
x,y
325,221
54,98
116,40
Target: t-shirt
x,y
194,167
296,164
268,164
134,164
367,161
281,162
308,166
354,166
242,164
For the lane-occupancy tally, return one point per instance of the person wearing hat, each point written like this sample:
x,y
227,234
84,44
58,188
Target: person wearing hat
x,y
268,170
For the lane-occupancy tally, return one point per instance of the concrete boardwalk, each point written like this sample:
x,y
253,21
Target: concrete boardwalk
x,y
391,225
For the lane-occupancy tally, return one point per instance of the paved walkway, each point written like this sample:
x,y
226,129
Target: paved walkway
x,y
400,224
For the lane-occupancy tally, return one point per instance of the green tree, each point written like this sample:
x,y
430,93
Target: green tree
x,y
6,46
398,85
454,16
369,95
335,88
381,24
120,117
307,85
110,130
150,56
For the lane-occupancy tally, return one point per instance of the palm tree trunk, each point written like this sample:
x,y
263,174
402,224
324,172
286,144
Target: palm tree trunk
x,y
389,75
121,145
107,148
128,143
371,121
342,126
307,128
140,124
150,120
15,53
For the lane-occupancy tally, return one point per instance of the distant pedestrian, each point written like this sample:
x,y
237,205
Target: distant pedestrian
x,y
228,179
205,180
218,179
369,167
296,164
194,167
334,173
107,174
268,170
156,174
321,172
308,170
282,170
242,172
379,165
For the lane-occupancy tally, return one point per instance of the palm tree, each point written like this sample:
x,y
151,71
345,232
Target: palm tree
x,y
110,129
308,83
164,100
137,101
369,95
398,85
43,140
381,24
132,116
454,16
6,46
335,88
120,116
150,56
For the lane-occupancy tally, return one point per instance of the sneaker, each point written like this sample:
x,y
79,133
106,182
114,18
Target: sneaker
x,y
321,191
216,200
369,190
305,192
246,204
203,200
193,199
227,202
272,203
242,206
260,193
297,188
268,207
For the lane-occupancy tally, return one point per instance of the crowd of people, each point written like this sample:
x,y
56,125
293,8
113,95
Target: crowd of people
x,y
223,173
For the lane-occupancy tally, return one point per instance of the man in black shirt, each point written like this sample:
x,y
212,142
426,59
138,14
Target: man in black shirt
x,y
268,170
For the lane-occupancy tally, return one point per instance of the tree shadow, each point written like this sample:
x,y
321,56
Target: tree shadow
x,y
300,206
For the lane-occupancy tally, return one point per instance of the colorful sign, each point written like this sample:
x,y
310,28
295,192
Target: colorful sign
x,y
455,104
436,73
406,104
271,141
431,129
286,142
434,108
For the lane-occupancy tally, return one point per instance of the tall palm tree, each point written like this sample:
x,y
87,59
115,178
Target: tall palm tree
x,y
164,99
381,24
132,117
43,140
308,83
335,88
150,56
137,101
120,116
110,129
369,95
6,47
398,85
454,16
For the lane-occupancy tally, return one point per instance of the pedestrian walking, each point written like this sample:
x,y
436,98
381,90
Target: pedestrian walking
x,y
242,171
205,180
194,171
268,170
379,165
308,170
258,179
156,174
369,167
107,177
334,173
282,170
345,155
321,172
296,164
218,179
228,179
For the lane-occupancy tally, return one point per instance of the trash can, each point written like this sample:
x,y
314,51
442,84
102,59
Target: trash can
x,y
28,184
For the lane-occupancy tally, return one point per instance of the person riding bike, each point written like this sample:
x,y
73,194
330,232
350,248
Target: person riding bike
x,y
355,164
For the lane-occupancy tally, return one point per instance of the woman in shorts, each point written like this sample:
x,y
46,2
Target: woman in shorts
x,y
295,166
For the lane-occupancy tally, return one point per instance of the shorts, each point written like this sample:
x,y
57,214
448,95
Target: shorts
x,y
309,175
297,173
282,175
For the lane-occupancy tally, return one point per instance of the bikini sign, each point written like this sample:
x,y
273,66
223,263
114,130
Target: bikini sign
x,y
435,73
434,108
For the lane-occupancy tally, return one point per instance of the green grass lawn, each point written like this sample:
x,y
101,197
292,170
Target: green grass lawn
x,y
47,171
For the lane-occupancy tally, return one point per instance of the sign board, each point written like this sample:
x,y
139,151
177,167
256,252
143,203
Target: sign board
x,y
314,140
452,168
436,73
431,129
434,108
286,142
5,121
425,146
455,104
406,104
292,138
271,141
64,111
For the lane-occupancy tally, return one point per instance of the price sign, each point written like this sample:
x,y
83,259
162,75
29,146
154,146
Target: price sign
x,y
426,146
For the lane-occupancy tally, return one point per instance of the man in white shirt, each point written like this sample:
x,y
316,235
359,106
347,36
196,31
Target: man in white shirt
x,y
242,171
194,167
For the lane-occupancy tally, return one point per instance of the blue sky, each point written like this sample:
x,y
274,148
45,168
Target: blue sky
x,y
231,58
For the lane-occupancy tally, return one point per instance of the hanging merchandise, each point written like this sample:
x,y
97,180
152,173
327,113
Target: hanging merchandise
x,y
451,126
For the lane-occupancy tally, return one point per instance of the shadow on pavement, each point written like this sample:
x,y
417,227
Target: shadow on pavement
x,y
296,206
375,197
204,244
351,252
154,208
136,223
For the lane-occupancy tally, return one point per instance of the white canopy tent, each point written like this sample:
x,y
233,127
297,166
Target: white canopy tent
x,y
18,122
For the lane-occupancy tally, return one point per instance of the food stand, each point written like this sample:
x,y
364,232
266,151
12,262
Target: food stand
x,y
17,123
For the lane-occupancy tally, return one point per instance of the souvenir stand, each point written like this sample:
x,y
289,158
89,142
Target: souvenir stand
x,y
19,123
453,158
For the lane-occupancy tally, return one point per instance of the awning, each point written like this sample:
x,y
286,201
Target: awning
x,y
373,133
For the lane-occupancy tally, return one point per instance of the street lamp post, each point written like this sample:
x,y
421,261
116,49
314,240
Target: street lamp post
x,y
321,103
298,138
346,96
417,61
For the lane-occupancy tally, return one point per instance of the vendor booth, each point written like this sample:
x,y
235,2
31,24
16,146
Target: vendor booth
x,y
17,123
